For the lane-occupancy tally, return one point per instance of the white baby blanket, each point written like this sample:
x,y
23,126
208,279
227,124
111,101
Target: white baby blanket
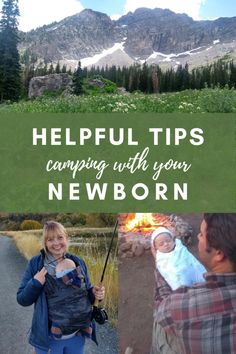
x,y
179,267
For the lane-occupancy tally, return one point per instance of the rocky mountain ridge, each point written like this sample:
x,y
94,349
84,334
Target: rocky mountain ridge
x,y
155,36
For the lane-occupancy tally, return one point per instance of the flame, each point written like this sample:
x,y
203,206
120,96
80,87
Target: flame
x,y
141,220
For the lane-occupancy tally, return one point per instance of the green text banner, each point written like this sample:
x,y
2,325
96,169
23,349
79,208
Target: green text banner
x,y
117,163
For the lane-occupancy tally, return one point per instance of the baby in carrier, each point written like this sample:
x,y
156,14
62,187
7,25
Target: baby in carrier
x,y
65,272
68,302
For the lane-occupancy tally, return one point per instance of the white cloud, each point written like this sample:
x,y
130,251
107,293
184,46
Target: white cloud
x,y
115,17
35,13
190,7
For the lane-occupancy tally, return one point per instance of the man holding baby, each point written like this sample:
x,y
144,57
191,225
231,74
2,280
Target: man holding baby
x,y
201,318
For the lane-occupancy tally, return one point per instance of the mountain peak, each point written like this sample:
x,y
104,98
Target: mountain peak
x,y
90,12
143,35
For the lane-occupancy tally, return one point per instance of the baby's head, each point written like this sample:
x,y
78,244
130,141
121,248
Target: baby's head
x,y
163,240
65,265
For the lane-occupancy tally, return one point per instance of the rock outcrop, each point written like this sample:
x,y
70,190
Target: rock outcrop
x,y
50,83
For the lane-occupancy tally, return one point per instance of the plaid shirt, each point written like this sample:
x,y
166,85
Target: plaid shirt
x,y
203,317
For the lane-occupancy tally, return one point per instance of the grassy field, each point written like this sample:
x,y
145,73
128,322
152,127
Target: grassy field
x,y
189,101
29,244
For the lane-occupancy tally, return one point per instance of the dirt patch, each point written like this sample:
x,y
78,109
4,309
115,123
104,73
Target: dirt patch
x,y
136,289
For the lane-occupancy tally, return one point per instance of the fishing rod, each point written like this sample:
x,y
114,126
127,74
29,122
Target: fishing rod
x,y
109,251
99,314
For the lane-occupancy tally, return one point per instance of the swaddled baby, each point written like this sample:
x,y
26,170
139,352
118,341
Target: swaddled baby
x,y
173,260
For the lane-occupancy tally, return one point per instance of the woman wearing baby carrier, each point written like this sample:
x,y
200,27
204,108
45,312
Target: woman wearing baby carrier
x,y
62,310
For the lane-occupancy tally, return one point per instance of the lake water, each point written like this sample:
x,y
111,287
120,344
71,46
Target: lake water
x,y
96,244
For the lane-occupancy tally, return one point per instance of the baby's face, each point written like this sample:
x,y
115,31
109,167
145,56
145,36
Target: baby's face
x,y
65,264
164,243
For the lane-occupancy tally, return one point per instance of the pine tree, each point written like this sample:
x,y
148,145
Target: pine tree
x,y
143,85
10,73
51,69
58,68
64,70
155,81
232,74
78,80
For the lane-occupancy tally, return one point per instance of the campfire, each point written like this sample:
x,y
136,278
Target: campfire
x,y
135,231
142,222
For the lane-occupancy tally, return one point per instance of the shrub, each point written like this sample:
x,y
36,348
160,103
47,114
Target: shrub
x,y
30,225
109,219
71,219
19,217
4,216
11,226
101,219
67,224
78,219
94,220
52,94
97,85
110,87
63,218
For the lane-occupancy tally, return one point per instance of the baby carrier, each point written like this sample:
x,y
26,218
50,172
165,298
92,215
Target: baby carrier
x,y
69,307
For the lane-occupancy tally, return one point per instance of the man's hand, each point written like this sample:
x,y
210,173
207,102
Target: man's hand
x,y
153,250
40,276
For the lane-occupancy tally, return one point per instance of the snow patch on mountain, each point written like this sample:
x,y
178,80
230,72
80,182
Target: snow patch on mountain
x,y
94,59
170,57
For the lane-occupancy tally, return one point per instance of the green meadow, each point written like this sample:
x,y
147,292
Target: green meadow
x,y
188,101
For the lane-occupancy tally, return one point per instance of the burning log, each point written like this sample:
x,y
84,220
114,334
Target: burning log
x,y
141,220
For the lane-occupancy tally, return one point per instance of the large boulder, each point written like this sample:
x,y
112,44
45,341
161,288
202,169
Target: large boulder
x,y
49,83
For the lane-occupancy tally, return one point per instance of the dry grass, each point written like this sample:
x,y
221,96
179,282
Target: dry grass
x,y
110,281
29,243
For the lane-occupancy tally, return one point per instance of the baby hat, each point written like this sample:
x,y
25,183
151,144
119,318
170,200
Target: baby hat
x,y
160,230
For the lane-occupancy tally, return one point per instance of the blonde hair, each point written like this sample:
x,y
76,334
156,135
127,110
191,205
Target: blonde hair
x,y
52,228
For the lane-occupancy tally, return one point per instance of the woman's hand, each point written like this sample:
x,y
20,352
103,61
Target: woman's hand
x,y
99,292
40,276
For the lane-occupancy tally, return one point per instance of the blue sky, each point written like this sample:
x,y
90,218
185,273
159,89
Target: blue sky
x,y
35,13
109,7
218,8
207,10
